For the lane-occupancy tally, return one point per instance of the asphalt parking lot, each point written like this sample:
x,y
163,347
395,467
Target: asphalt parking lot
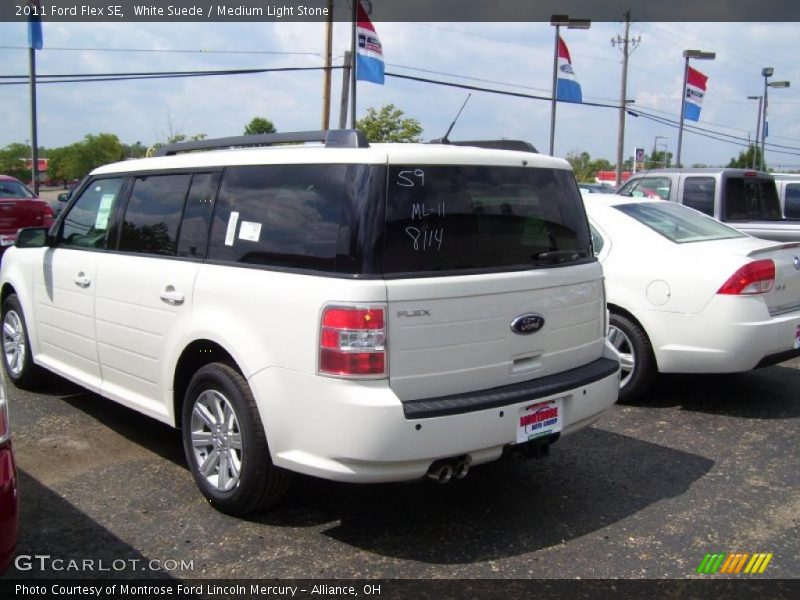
x,y
704,464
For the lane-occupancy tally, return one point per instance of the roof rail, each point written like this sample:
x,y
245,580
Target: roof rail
x,y
517,145
333,138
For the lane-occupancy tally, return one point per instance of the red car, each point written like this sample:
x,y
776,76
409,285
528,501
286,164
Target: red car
x,y
9,499
19,208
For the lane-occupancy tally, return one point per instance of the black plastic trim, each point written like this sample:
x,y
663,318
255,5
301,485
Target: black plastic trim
x,y
456,404
779,357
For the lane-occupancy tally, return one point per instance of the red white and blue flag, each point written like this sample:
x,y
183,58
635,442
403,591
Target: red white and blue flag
x,y
567,87
369,53
695,91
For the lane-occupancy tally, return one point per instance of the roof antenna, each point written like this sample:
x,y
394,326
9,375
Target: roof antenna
x,y
444,140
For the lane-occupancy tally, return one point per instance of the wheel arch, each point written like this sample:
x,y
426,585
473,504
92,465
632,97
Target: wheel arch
x,y
194,356
616,308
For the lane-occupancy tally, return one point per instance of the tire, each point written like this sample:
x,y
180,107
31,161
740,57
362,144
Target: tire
x,y
17,356
225,444
638,367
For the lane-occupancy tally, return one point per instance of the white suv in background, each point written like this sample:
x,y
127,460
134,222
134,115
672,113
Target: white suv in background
x,y
356,312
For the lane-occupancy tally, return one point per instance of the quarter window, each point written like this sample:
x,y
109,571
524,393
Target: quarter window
x,y
791,207
285,216
86,223
153,214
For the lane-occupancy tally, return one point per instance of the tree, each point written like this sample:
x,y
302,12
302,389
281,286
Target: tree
x,y
259,125
745,159
658,159
388,125
585,168
13,161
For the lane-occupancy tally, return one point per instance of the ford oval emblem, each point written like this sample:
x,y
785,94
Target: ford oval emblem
x,y
527,324
797,262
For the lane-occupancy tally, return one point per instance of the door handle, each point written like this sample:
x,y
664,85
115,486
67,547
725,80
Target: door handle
x,y
82,280
171,297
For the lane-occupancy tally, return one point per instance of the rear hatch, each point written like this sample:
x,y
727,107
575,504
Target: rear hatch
x,y
471,250
785,293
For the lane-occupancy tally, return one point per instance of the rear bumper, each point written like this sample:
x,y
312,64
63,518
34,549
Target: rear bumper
x,y
9,506
731,335
358,431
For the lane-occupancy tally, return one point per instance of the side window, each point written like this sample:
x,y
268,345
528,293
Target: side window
x,y
698,193
154,213
193,238
791,206
281,215
597,240
647,187
86,223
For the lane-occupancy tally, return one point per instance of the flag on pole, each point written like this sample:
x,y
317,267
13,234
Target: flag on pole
x,y
369,53
35,38
567,87
695,91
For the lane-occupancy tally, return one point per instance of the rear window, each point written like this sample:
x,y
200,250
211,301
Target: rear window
x,y
678,223
751,199
457,218
14,189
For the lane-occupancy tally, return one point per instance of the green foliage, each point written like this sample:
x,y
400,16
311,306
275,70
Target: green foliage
x,y
745,159
585,168
658,159
259,125
12,161
388,125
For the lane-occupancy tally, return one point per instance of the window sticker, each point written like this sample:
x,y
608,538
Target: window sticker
x,y
250,231
103,211
231,232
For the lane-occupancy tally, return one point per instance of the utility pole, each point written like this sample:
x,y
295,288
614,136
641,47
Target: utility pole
x,y
348,58
626,46
326,84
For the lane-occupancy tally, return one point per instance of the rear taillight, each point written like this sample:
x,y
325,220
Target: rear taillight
x,y
5,431
352,341
754,278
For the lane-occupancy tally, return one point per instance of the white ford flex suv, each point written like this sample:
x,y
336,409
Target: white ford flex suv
x,y
356,312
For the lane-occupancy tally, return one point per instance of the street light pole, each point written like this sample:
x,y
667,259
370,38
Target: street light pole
x,y
687,54
559,21
758,131
767,72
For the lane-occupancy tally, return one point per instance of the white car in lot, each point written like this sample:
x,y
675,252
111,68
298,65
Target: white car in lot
x,y
688,294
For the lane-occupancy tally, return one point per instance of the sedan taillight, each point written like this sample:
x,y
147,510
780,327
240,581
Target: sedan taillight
x,y
753,278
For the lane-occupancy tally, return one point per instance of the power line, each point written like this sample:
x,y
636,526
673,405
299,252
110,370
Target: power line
x,y
637,112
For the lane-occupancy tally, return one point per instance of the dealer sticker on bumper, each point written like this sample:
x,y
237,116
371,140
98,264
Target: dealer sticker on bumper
x,y
539,419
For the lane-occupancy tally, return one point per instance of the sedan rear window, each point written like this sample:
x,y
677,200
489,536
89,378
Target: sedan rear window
x,y
14,189
678,223
456,218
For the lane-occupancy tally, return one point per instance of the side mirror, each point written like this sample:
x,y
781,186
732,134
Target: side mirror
x,y
32,237
63,197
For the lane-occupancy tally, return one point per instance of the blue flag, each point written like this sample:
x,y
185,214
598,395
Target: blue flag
x,y
35,37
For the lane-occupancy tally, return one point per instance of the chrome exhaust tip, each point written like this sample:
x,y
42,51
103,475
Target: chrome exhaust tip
x,y
443,474
462,468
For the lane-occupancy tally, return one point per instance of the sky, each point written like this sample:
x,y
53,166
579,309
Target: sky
x,y
506,56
